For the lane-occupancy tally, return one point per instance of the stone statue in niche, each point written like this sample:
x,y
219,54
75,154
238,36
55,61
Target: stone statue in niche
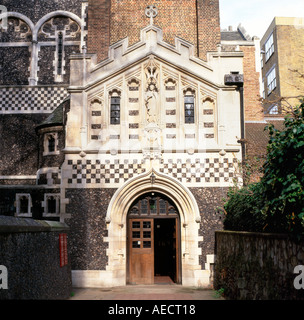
x,y
151,94
152,132
151,106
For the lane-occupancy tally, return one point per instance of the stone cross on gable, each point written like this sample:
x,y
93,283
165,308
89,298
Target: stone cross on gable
x,y
151,12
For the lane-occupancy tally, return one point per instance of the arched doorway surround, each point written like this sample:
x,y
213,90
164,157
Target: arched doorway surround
x,y
183,199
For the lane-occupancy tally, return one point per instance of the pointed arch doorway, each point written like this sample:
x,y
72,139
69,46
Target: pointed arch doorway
x,y
153,240
189,272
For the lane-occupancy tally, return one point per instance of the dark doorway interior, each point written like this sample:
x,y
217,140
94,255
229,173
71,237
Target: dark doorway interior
x,y
165,248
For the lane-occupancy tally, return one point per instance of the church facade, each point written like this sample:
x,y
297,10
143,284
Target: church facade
x,y
122,119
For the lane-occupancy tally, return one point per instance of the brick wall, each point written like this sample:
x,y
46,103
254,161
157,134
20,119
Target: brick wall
x,y
99,27
252,105
111,21
290,43
175,18
209,34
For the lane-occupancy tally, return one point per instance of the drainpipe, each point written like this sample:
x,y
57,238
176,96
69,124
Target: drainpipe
x,y
237,79
242,140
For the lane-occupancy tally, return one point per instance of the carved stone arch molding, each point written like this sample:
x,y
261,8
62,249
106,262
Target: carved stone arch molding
x,y
133,82
19,28
20,16
54,14
16,38
170,81
153,181
189,90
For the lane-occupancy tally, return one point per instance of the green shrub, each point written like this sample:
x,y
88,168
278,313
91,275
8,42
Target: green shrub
x,y
276,203
244,209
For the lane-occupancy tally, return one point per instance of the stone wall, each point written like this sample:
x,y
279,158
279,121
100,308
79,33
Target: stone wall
x,y
35,10
18,144
256,266
29,249
30,43
8,203
88,208
208,200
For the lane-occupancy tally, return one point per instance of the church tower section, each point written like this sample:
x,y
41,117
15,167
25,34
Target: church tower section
x,y
196,21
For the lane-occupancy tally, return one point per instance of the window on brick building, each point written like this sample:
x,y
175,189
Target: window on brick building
x,y
269,47
274,110
271,80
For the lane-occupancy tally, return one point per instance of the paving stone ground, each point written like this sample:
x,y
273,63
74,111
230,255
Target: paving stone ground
x,y
145,292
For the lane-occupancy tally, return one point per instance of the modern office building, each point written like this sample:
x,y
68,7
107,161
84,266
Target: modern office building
x,y
282,64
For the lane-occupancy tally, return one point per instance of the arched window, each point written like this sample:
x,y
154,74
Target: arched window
x,y
115,107
189,108
24,202
51,205
189,104
23,205
51,143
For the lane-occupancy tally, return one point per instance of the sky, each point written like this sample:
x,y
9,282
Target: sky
x,y
256,15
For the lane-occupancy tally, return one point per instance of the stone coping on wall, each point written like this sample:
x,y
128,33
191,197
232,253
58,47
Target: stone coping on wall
x,y
254,234
22,225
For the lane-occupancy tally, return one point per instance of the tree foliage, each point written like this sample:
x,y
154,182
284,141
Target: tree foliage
x,y
277,201
243,209
283,180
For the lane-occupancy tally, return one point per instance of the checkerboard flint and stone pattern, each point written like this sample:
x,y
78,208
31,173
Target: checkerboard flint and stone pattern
x,y
97,172
31,99
201,170
113,173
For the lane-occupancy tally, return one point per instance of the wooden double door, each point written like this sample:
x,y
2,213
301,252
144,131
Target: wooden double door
x,y
153,240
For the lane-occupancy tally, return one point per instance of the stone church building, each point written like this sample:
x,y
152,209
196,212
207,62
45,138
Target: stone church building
x,y
124,120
